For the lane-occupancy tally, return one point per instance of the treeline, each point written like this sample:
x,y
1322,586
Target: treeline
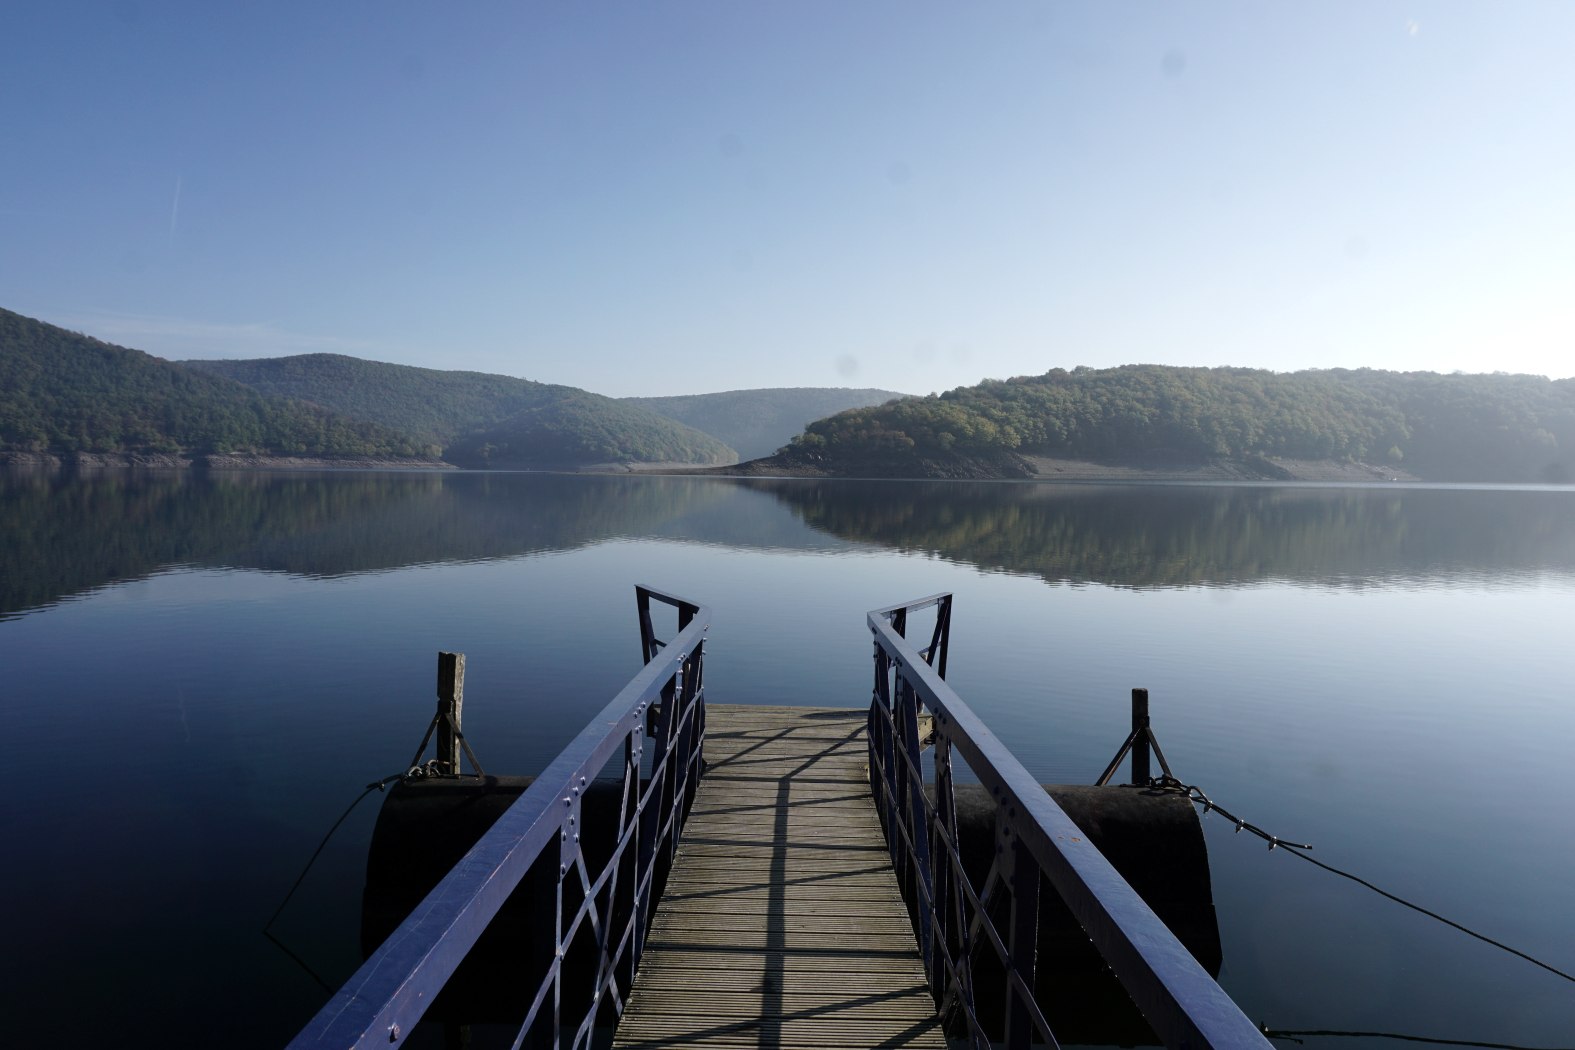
x,y
1440,427
587,429
477,419
62,392
434,405
758,422
67,394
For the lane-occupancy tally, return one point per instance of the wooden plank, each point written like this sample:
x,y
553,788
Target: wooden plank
x,y
782,925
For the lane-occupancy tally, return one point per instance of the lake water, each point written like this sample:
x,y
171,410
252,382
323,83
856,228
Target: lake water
x,y
200,673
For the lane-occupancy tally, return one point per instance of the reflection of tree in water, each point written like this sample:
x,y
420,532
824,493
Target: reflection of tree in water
x,y
70,534
65,535
1173,536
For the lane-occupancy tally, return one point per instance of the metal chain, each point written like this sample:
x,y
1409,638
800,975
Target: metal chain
x,y
1196,795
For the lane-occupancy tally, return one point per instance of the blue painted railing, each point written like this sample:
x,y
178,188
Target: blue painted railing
x,y
956,921
603,911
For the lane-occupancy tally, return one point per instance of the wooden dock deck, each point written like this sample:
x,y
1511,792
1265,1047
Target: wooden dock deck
x,y
782,925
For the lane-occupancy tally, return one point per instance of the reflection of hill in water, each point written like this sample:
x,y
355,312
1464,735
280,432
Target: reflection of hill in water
x,y
67,535
1174,536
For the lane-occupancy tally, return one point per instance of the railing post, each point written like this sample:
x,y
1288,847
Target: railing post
x,y
953,937
874,739
450,702
1019,874
649,645
918,822
1140,737
941,640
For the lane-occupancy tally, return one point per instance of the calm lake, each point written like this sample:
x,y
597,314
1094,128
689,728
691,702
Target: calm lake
x,y
201,672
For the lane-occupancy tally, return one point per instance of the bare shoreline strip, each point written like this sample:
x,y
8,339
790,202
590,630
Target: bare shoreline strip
x,y
1037,468
1043,468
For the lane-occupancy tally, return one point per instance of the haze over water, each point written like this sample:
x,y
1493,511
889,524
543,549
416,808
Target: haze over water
x,y
203,671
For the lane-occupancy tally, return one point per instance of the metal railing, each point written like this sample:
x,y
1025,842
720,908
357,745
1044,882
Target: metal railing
x,y
957,923
604,911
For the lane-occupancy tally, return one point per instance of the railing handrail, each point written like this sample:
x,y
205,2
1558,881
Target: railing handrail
x,y
1183,1004
382,1002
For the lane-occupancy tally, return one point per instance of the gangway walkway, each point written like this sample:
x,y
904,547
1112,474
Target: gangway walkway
x,y
815,894
782,924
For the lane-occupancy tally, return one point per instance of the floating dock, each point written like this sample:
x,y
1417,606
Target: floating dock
x,y
703,875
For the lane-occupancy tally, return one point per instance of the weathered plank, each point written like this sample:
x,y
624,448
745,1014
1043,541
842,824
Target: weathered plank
x,y
782,925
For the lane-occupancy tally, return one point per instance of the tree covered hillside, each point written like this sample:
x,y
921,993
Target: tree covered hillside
x,y
480,419
1440,427
758,422
434,405
65,393
585,429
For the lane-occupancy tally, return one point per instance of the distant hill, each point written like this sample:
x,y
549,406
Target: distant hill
x,y
62,393
759,422
586,429
434,405
477,418
1500,428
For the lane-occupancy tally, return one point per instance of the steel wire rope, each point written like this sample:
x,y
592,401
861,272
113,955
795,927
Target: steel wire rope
x,y
1196,795
376,785
416,770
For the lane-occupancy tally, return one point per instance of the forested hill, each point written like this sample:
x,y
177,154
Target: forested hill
x,y
758,422
479,419
1504,428
65,393
424,402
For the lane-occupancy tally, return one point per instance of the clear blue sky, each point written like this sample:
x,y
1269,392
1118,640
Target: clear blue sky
x,y
680,197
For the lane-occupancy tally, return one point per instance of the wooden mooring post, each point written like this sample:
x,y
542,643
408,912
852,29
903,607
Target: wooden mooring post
x,y
1140,737
450,702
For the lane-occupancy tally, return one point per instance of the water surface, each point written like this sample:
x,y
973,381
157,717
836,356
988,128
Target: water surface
x,y
201,672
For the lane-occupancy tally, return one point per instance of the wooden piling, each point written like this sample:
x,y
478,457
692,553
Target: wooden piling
x,y
1140,737
450,702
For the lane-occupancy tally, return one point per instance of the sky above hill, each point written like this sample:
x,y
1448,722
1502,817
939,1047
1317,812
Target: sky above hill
x,y
663,198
